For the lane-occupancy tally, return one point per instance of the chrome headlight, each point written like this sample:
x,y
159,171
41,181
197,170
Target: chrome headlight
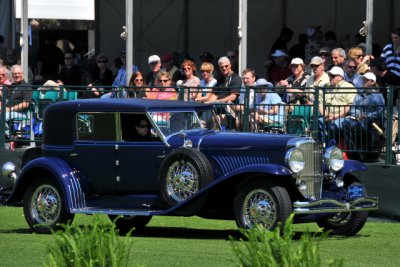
x,y
9,171
334,158
295,159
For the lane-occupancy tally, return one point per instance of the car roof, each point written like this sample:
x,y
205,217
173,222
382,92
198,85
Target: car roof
x,y
59,118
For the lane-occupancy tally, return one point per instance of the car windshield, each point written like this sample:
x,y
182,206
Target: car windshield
x,y
174,122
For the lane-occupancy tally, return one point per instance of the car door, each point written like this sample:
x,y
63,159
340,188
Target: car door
x,y
95,151
138,161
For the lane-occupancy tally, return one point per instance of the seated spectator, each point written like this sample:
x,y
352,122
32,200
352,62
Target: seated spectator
x,y
335,102
270,110
70,73
18,99
247,91
120,79
3,79
357,53
206,82
318,78
295,83
164,91
363,127
350,73
325,54
338,56
136,86
168,64
229,84
280,67
191,82
101,76
385,77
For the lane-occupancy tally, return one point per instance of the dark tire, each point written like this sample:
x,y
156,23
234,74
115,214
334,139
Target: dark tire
x,y
182,173
264,203
44,206
344,223
125,223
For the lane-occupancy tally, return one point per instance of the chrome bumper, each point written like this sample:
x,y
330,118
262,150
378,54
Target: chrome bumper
x,y
331,205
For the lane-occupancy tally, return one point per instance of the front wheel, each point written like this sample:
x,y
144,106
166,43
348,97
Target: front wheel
x,y
344,223
125,223
44,206
263,203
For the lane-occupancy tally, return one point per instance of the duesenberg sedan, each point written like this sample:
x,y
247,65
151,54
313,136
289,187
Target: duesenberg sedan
x,y
137,158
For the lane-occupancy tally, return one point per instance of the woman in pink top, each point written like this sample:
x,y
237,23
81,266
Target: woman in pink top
x,y
164,92
3,79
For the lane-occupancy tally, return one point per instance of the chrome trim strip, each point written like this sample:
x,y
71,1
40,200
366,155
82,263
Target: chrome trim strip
x,y
360,204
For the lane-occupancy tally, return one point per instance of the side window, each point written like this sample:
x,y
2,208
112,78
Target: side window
x,y
96,126
136,127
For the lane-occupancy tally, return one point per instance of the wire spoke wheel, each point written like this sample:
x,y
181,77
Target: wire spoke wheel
x,y
182,180
46,204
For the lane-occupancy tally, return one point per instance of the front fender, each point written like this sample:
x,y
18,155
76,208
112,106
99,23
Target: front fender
x,y
350,166
67,177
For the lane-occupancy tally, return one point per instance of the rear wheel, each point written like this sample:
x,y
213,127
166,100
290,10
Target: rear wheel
x,y
263,203
44,206
344,223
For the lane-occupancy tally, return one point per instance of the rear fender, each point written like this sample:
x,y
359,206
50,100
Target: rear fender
x,y
68,179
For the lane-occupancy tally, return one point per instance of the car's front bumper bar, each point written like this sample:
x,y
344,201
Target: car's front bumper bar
x,y
333,206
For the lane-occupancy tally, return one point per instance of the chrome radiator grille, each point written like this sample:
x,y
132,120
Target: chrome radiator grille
x,y
312,175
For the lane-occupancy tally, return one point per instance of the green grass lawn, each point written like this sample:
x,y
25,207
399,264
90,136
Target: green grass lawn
x,y
192,241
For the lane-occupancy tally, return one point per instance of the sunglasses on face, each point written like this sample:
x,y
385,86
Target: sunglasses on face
x,y
224,66
138,80
187,68
163,81
293,66
143,126
359,56
205,71
351,67
332,76
314,66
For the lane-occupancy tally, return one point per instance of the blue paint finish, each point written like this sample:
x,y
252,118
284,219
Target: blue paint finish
x,y
68,178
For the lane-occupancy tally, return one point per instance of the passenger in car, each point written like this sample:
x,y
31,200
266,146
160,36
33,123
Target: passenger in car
x,y
141,132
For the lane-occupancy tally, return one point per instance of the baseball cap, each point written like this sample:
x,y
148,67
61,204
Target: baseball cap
x,y
296,61
324,50
316,61
279,53
369,76
336,71
154,58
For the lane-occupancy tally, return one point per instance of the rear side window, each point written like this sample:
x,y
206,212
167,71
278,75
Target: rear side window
x,y
96,126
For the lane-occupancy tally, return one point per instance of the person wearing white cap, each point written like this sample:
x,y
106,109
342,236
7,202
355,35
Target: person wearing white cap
x,y
296,82
368,102
280,69
154,62
335,102
362,128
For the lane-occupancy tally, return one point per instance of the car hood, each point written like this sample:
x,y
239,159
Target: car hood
x,y
244,141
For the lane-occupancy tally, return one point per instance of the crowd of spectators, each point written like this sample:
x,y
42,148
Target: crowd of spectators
x,y
291,73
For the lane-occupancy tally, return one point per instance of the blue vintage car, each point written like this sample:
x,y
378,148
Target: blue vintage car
x,y
137,158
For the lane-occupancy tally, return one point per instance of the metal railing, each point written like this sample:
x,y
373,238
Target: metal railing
x,y
252,113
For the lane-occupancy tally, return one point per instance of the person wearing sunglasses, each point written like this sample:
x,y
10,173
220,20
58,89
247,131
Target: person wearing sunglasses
x,y
350,73
101,76
206,83
191,81
70,73
164,91
335,101
136,83
141,131
362,60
